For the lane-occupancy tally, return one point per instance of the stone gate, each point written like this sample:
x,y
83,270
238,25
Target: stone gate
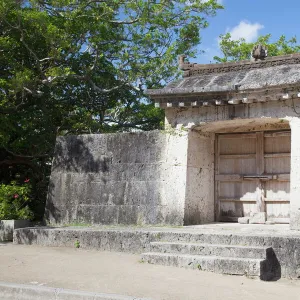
x,y
230,151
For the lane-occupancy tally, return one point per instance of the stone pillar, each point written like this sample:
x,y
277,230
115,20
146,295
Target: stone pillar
x,y
199,198
295,174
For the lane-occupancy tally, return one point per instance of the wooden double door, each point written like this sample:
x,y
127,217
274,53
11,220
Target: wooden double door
x,y
253,175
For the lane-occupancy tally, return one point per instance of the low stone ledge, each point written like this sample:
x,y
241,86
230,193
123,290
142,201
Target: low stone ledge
x,y
7,228
12,291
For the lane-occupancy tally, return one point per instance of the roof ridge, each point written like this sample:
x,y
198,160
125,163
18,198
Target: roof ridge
x,y
194,69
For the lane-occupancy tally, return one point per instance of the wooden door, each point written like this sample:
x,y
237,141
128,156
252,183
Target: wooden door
x,y
253,175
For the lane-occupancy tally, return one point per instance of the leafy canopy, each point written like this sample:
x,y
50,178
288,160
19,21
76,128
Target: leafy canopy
x,y
81,66
97,57
236,50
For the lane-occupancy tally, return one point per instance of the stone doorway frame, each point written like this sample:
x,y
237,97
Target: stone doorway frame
x,y
208,132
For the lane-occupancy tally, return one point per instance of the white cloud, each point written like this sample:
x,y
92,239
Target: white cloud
x,y
248,31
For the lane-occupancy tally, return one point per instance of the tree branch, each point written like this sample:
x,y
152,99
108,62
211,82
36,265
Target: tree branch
x,y
25,156
125,22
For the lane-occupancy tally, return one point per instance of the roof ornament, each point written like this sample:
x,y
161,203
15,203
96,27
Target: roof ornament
x,y
184,65
259,52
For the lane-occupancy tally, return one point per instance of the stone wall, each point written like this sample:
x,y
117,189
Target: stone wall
x,y
128,178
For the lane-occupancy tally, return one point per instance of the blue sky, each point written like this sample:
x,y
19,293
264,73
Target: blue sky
x,y
249,19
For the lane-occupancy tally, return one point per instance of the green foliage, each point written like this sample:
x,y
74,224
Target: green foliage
x,y
77,244
75,67
236,50
14,201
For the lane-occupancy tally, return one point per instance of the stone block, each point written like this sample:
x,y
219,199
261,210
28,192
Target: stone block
x,y
258,218
270,223
222,265
295,219
7,228
244,220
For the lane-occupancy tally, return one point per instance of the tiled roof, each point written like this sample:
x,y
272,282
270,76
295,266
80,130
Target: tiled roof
x,y
259,80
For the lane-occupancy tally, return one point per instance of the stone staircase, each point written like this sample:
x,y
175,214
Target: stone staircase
x,y
252,261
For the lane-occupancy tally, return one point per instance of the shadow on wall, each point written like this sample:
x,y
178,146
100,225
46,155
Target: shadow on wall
x,y
74,154
52,212
79,154
31,236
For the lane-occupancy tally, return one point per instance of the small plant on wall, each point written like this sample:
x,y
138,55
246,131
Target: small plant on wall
x,y
14,201
77,244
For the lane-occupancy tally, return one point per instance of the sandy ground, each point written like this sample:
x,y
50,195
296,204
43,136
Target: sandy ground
x,y
120,273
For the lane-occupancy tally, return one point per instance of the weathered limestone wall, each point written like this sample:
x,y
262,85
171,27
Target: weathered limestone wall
x,y
200,116
128,178
199,201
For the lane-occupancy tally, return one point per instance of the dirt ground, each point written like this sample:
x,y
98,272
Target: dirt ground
x,y
121,273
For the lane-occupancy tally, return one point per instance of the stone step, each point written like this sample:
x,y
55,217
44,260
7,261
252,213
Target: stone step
x,y
238,251
217,239
216,264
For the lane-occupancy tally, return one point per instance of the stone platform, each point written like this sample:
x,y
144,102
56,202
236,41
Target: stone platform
x,y
267,251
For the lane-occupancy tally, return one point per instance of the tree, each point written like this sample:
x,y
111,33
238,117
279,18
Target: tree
x,y
81,66
236,50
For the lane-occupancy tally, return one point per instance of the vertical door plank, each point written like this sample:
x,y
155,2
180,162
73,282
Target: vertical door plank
x,y
260,153
217,183
260,169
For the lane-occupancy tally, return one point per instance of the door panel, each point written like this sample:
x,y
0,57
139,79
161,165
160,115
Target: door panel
x,y
237,144
252,175
237,165
233,210
277,190
278,165
242,190
277,142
